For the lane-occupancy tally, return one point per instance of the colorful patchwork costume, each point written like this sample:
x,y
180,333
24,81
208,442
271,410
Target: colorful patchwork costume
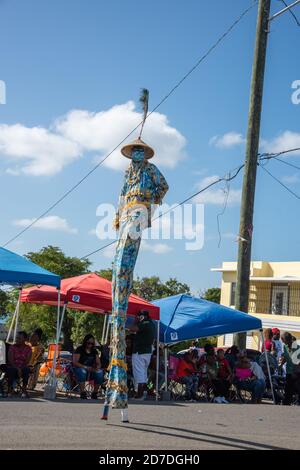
x,y
144,186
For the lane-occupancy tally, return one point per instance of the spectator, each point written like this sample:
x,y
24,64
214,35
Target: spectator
x,y
195,347
142,350
161,368
186,372
104,355
278,346
219,384
37,351
19,356
247,380
268,342
224,370
290,358
87,366
232,356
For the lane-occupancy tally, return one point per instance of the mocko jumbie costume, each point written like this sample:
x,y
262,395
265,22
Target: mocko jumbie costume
x,y
144,186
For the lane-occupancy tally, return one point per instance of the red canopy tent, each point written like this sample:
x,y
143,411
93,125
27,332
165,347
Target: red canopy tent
x,y
88,292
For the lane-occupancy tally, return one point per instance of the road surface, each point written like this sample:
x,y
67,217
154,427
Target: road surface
x,y
75,424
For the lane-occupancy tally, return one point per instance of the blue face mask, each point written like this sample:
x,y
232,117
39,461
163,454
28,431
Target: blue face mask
x,y
138,154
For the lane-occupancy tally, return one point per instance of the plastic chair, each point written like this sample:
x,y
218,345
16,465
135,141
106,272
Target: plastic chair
x,y
46,367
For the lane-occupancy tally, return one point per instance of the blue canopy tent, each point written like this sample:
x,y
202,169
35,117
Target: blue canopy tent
x,y
183,317
17,271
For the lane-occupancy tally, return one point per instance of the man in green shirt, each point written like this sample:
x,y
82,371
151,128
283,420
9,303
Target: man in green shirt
x,y
142,350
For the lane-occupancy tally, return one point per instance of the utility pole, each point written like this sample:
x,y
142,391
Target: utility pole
x,y
249,181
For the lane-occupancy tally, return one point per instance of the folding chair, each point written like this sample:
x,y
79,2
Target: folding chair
x,y
176,388
45,368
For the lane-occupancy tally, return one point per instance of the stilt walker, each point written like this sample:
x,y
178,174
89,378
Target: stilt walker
x,y
144,186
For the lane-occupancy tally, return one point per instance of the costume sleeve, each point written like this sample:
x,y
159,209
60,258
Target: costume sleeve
x,y
116,221
160,183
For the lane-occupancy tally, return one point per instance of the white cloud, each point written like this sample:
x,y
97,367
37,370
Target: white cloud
x,y
216,195
50,222
157,248
100,132
228,140
291,179
36,151
286,140
39,151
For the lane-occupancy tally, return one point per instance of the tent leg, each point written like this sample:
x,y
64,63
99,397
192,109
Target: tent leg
x,y
104,327
166,368
12,323
53,377
17,316
157,361
107,331
61,320
268,367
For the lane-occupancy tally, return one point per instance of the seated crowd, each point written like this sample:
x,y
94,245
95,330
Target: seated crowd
x,y
218,372
222,371
23,358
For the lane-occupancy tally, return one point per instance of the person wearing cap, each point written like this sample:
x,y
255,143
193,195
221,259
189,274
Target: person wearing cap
x,y
278,345
142,350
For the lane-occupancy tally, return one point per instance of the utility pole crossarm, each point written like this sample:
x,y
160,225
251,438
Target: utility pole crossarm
x,y
289,7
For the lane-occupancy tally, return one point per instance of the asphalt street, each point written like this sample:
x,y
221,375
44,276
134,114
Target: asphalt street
x,y
73,424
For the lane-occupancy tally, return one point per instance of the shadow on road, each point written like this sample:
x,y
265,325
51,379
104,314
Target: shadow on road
x,y
191,435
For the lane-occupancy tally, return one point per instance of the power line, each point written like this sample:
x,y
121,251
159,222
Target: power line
x,y
175,87
287,163
280,182
268,156
231,175
291,12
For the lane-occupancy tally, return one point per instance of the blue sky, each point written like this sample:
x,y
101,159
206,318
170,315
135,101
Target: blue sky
x,y
93,57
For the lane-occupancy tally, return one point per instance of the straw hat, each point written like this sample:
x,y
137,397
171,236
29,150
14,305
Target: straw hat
x,y
127,149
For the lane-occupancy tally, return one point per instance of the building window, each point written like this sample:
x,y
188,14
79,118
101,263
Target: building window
x,y
232,294
228,340
280,300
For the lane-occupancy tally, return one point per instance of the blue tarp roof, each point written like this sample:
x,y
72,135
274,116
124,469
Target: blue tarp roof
x,y
184,317
14,269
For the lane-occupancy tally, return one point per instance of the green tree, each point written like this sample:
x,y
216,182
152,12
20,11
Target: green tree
x,y
86,322
151,288
31,316
4,302
106,273
213,294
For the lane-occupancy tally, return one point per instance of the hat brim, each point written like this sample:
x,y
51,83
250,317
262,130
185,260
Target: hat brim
x,y
127,150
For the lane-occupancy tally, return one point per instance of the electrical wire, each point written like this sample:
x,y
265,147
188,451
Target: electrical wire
x,y
280,182
291,12
175,87
227,179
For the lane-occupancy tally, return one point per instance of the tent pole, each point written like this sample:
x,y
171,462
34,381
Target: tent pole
x,y
62,319
17,316
166,368
12,323
157,360
104,327
268,366
107,331
57,339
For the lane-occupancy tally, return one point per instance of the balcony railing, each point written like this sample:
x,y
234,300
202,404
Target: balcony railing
x,y
276,299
